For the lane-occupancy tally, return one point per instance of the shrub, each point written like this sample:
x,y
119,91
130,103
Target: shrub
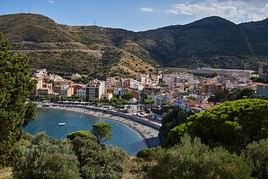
x,y
148,153
191,159
96,162
257,155
46,158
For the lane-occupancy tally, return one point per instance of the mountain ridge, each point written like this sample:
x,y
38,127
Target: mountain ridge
x,y
210,42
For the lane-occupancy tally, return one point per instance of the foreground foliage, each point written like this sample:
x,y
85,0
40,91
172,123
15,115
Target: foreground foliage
x,y
96,162
232,125
46,158
257,155
170,120
15,113
80,157
192,159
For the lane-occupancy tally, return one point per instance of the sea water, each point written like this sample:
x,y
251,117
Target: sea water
x,y
47,121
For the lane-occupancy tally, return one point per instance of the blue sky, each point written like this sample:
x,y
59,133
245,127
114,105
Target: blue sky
x,y
138,15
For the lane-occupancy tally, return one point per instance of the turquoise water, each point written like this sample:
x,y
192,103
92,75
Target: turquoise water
x,y
48,119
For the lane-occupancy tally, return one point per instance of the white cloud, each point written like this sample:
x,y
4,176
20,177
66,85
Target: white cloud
x,y
147,9
235,10
51,1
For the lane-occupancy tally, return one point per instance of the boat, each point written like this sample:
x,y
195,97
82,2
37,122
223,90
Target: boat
x,y
61,123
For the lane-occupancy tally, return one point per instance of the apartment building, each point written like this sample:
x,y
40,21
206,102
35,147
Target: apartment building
x,y
95,89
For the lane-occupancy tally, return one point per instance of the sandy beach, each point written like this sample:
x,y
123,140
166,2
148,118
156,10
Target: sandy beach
x,y
147,133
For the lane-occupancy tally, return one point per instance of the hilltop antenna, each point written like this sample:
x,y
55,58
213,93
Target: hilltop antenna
x,y
94,23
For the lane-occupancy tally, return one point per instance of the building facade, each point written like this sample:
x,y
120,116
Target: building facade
x,y
95,89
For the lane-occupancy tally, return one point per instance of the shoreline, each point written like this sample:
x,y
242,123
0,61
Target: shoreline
x,y
146,133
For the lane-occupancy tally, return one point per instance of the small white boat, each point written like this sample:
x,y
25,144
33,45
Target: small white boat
x,y
61,123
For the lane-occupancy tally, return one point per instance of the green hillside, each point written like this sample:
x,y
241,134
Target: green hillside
x,y
209,42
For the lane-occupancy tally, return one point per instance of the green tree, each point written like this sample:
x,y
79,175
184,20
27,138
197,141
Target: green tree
x,y
102,131
222,96
149,101
117,102
232,124
16,85
127,96
97,162
257,155
81,134
46,158
191,159
170,120
246,93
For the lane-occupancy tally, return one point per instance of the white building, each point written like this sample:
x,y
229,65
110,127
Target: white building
x,y
40,73
76,76
95,89
137,86
55,78
81,93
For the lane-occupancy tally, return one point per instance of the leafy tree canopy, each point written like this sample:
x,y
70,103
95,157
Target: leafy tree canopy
x,y
170,120
232,124
127,96
81,134
16,85
102,131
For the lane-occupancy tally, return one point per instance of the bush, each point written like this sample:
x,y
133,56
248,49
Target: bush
x,y
192,159
96,162
46,158
148,153
257,155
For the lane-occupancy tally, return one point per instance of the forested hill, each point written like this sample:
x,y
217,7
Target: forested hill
x,y
212,41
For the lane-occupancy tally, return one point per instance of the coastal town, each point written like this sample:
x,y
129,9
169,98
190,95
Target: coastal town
x,y
134,89
148,95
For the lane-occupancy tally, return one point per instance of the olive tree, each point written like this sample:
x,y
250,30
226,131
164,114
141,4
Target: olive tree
x,y
46,158
191,159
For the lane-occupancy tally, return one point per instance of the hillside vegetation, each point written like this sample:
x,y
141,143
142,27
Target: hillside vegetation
x,y
209,42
